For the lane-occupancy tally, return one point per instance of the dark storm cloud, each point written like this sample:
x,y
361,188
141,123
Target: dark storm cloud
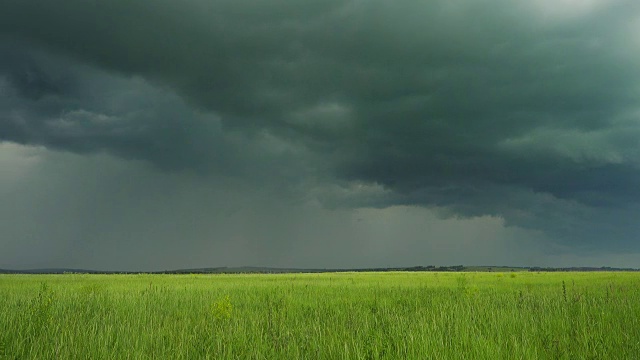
x,y
55,101
524,111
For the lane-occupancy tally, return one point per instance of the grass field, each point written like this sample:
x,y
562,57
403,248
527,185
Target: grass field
x,y
321,316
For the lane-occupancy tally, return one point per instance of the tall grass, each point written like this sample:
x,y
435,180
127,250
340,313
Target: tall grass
x,y
322,316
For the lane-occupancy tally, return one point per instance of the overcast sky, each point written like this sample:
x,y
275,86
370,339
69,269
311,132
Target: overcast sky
x,y
162,134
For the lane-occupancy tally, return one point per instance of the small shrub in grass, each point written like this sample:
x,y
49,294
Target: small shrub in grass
x,y
222,309
472,291
462,282
40,307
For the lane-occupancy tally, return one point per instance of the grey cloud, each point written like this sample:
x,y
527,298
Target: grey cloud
x,y
87,110
483,107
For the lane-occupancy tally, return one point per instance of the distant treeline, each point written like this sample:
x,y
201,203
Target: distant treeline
x,y
603,268
266,270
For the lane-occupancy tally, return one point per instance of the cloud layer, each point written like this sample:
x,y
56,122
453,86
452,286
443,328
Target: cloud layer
x,y
523,112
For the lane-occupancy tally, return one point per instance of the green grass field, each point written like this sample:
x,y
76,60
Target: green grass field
x,y
321,316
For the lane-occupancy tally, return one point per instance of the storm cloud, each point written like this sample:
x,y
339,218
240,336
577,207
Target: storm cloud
x,y
522,112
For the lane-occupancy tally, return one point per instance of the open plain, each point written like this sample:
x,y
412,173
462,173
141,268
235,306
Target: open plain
x,y
396,315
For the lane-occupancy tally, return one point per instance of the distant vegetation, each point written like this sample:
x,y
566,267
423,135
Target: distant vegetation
x,y
393,315
271,270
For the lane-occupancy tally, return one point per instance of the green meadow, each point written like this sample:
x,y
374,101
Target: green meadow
x,y
398,315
